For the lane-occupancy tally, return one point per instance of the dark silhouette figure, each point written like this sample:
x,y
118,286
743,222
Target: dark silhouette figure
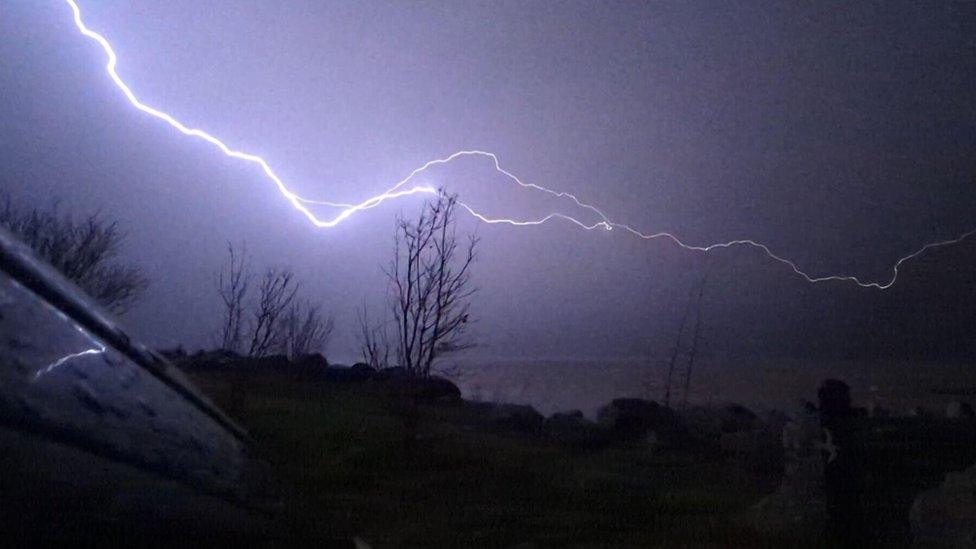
x,y
843,467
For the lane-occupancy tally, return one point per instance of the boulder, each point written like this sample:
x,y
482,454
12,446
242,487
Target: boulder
x,y
879,412
572,429
401,383
959,410
946,515
272,364
776,420
311,361
919,412
742,443
438,389
799,504
708,424
633,418
392,372
208,360
514,417
174,355
737,418
354,374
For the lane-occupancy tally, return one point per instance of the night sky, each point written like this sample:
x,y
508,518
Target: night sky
x,y
840,135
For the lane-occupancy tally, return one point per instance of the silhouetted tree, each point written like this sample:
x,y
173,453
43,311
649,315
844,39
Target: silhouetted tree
x,y
430,280
233,283
85,251
675,352
695,340
374,344
304,329
274,321
275,294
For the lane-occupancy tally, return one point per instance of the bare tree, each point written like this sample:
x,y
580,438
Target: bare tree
x,y
273,321
84,252
675,352
275,294
696,338
430,280
233,283
374,345
304,330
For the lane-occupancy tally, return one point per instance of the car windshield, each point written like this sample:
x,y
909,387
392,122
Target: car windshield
x,y
60,381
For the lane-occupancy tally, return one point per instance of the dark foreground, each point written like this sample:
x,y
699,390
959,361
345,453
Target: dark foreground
x,y
347,468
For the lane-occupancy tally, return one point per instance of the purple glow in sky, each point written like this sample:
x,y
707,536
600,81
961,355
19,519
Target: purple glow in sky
x,y
397,191
839,137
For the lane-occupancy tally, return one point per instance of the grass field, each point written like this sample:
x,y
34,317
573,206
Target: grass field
x,y
339,455
338,452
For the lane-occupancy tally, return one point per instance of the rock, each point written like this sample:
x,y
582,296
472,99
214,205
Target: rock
x,y
633,418
572,429
703,423
776,420
799,504
438,389
741,443
400,382
959,410
393,372
918,411
174,355
354,374
363,367
652,442
946,516
514,417
709,424
312,361
209,360
277,364
879,412
578,414
737,418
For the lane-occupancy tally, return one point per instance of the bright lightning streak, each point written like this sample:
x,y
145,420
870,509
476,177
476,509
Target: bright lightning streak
x,y
60,362
301,204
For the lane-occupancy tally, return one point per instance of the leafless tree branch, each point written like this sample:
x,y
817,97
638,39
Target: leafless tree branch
x,y
374,344
84,252
233,283
430,282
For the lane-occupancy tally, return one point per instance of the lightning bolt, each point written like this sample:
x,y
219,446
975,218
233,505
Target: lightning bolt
x,y
60,362
402,188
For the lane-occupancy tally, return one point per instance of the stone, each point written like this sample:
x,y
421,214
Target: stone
x,y
737,418
632,418
345,374
741,443
514,417
918,411
400,382
799,504
775,421
392,372
314,360
438,389
878,411
946,516
572,429
959,410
